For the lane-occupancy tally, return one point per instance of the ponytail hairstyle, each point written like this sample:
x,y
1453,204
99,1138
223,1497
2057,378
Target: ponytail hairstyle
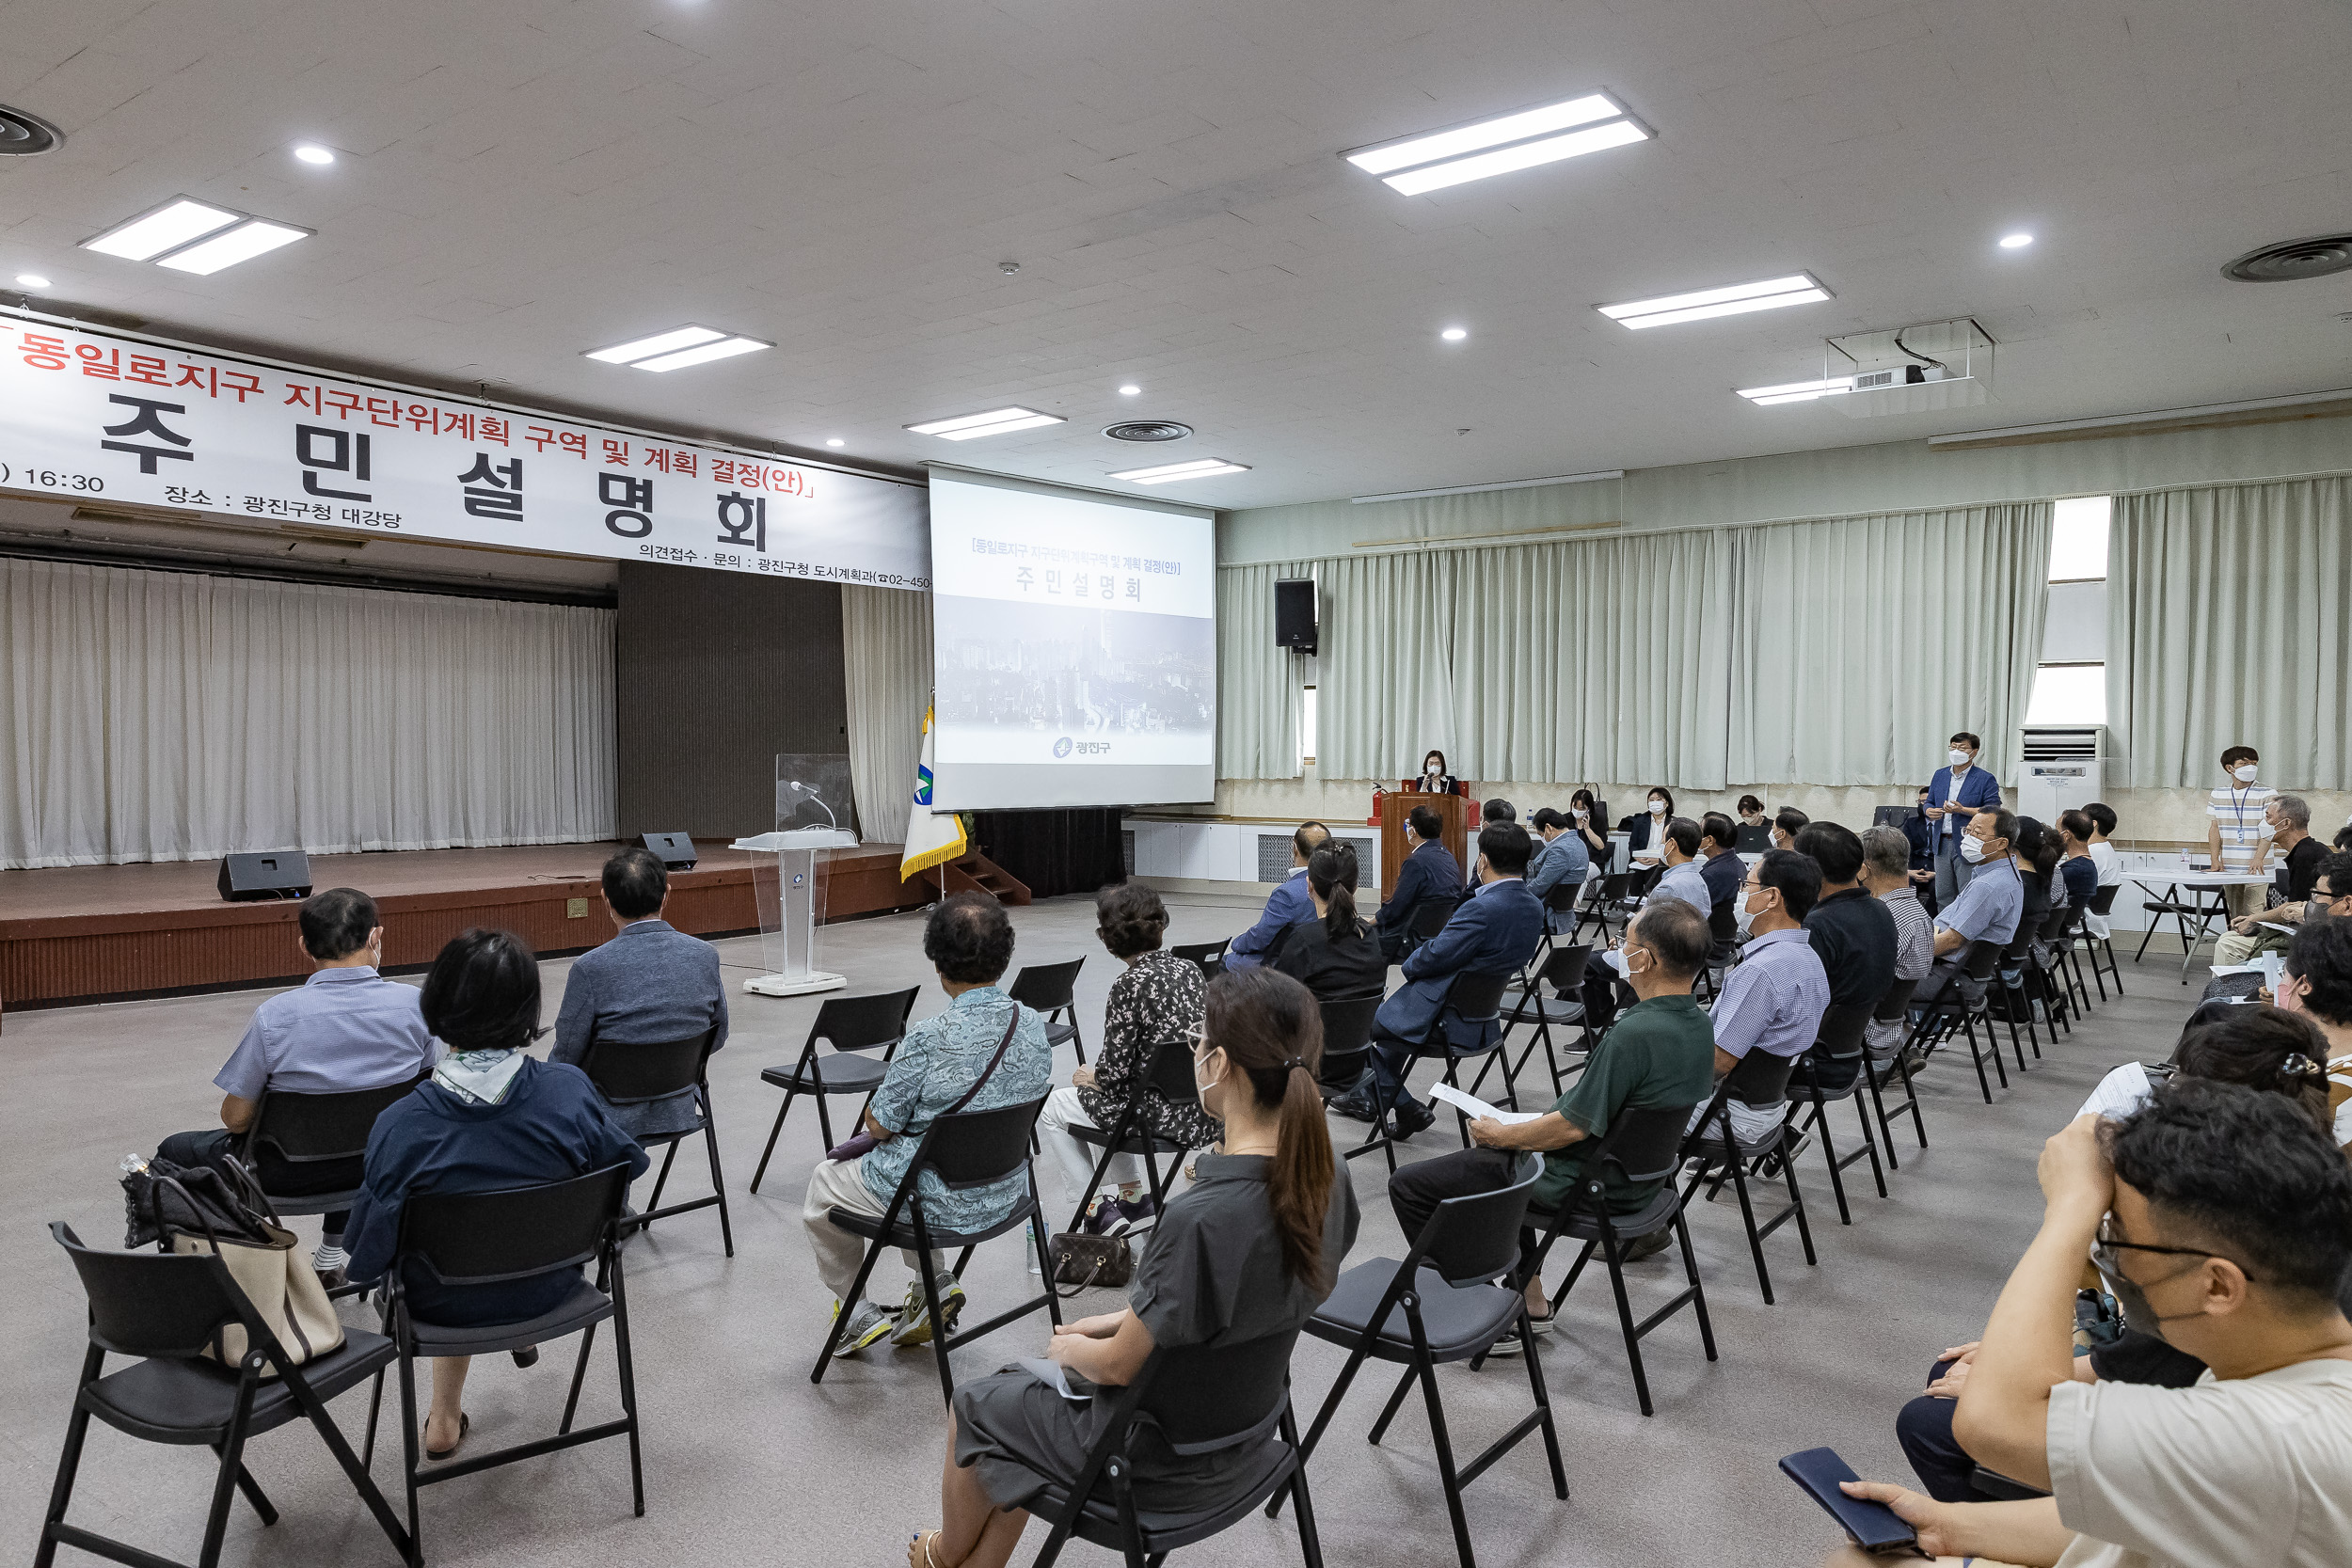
x,y
2039,846
2263,1047
1271,1031
1331,872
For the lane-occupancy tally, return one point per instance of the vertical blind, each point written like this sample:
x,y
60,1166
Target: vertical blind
x,y
2230,623
1691,658
165,716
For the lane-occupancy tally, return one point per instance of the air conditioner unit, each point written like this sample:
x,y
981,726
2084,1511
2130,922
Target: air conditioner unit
x,y
2060,770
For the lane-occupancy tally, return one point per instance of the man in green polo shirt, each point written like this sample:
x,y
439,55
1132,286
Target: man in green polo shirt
x,y
1661,1053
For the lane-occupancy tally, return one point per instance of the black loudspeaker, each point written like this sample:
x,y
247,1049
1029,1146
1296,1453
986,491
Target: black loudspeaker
x,y
675,850
1294,614
272,873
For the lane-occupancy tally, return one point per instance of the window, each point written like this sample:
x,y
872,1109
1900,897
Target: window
x,y
1307,728
2069,694
2078,539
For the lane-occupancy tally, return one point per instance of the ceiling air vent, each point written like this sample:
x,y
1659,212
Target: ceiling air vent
x,y
2284,263
23,135
1149,430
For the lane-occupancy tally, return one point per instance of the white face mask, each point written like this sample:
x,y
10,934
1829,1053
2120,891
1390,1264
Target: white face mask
x,y
1212,1082
1972,849
1434,770
1618,961
1744,917
2245,771
1960,759
1582,814
1658,808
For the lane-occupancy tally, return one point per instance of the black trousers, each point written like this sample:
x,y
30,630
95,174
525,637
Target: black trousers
x,y
1924,1427
1416,1190
1601,987
217,1146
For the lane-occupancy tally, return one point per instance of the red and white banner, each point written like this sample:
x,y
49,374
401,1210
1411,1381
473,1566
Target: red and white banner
x,y
88,415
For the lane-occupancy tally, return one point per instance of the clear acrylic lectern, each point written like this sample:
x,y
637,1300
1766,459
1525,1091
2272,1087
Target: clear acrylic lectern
x,y
812,804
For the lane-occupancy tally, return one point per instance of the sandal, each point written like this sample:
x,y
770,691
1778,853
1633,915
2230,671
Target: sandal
x,y
464,1425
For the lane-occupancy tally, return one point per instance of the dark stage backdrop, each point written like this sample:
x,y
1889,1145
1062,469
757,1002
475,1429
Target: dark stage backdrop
x,y
718,672
1075,850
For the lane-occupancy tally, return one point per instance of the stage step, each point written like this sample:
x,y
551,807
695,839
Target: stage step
x,y
977,873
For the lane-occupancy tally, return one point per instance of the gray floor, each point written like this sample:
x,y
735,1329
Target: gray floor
x,y
745,1461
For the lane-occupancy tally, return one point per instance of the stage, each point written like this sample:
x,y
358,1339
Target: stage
x,y
89,932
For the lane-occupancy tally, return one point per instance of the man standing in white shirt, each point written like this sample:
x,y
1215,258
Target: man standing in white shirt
x,y
2221,1219
2238,834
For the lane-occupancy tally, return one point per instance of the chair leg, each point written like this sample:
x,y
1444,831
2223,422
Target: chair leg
x,y
627,1368
69,1463
410,1439
857,1293
1878,1108
1396,1403
1747,1217
1698,1291
1446,1471
251,1488
718,1178
1796,1199
225,1483
1077,1040
662,1179
1870,1142
1309,1544
1625,1319
930,1302
761,1172
1819,1122
580,1375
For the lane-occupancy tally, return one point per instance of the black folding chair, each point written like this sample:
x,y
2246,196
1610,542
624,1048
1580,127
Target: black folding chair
x,y
1195,1400
1564,971
2066,958
1955,1007
1454,1294
1614,890
1051,989
1346,1060
1429,917
2018,957
1559,901
1210,956
1830,1072
968,1149
1473,999
1876,1065
2045,981
1167,1067
852,1025
1759,1082
1643,1146
170,1309
634,1075
2103,905
464,1238
305,1149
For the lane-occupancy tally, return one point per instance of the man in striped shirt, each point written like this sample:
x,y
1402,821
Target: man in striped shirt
x,y
1886,871
2239,836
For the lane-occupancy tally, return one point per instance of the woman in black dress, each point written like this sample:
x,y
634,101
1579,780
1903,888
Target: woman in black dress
x,y
1591,815
1645,834
1434,775
1334,954
1248,1251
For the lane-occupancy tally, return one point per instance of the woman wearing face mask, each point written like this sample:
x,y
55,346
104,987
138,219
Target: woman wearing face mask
x,y
1248,1251
1645,834
1590,814
1434,777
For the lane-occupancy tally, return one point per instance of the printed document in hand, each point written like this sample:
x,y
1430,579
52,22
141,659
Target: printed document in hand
x,y
1477,1107
1051,1374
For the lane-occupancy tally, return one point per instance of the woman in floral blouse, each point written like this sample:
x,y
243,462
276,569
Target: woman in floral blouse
x,y
1158,998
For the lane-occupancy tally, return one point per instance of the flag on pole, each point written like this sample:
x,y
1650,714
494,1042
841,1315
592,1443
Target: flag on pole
x,y
933,837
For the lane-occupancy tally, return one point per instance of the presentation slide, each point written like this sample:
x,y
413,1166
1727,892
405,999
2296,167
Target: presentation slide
x,y
1074,649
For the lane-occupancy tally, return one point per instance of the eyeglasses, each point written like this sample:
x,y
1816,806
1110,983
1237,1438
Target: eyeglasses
x,y
2105,1247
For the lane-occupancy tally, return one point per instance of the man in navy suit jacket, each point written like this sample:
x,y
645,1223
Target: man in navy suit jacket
x,y
1494,931
1430,872
652,983
1955,795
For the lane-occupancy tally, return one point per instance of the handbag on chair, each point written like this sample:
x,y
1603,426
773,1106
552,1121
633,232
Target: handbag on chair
x,y
1086,1263
194,1211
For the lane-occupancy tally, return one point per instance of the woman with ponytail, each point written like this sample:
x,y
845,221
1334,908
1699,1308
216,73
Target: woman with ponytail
x,y
1335,954
1250,1250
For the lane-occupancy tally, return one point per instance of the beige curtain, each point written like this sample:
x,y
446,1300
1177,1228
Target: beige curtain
x,y
1385,685
886,657
168,716
1257,684
2230,623
1859,644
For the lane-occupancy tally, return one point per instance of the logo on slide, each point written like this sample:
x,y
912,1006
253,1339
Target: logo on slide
x,y
1061,747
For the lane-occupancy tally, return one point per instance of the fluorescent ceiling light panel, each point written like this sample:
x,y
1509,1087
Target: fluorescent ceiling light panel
x,y
1508,160
996,421
725,348
150,234
241,244
1199,467
661,342
1737,299
1413,151
1798,391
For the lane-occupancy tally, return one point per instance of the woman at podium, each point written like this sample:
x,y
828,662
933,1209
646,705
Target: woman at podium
x,y
1434,777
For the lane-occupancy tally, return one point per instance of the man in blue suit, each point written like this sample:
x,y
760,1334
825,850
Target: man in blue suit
x,y
1285,907
1430,872
651,982
1956,794
1493,932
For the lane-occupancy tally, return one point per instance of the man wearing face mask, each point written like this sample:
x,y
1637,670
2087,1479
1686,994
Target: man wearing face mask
x,y
1605,975
1775,997
1959,790
1990,905
2238,836
2220,1218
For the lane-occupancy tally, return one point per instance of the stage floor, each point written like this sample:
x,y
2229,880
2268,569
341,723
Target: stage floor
x,y
85,933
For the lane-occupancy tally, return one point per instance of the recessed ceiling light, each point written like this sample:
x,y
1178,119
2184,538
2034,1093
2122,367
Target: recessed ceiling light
x,y
660,343
996,421
1199,467
310,152
725,348
1131,390
2015,242
31,281
1798,391
1455,334
1502,144
1737,299
836,441
150,234
257,237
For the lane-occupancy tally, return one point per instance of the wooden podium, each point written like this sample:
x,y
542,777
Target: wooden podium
x,y
1396,841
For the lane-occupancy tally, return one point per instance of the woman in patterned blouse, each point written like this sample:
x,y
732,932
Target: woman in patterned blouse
x,y
1158,998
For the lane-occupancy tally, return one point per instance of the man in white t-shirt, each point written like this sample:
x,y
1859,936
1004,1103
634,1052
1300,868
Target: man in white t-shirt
x,y
2221,1219
2238,831
2104,856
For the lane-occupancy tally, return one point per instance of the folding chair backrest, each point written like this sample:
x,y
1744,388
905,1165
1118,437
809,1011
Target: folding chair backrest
x,y
2103,900
1565,969
1429,918
1645,880
481,1238
1839,1037
1890,1006
1760,1080
973,1148
627,1074
150,1302
1210,956
1562,898
2020,945
863,1023
303,1129
1722,919
1046,988
1348,1023
1205,1399
1984,956
1644,1144
2053,923
1477,1237
1477,997
1615,886
1168,1069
